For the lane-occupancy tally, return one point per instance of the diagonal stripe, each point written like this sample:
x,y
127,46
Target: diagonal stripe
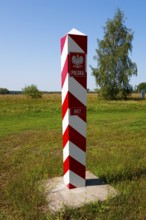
x,y
81,41
72,102
82,81
65,137
73,46
70,186
77,90
63,39
65,87
65,105
64,71
75,166
64,53
72,150
76,86
77,139
65,121
72,178
75,122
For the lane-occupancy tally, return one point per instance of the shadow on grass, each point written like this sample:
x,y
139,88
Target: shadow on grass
x,y
122,176
94,182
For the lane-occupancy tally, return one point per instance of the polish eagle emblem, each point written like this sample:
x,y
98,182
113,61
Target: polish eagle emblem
x,y
77,61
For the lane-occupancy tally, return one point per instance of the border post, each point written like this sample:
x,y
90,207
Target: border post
x,y
74,87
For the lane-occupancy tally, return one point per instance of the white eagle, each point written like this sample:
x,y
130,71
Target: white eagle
x,y
77,61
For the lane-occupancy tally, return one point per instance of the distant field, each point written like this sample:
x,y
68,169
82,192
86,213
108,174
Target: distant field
x,y
31,150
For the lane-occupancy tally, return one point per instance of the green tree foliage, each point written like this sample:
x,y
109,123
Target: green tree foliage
x,y
32,91
141,86
4,91
114,67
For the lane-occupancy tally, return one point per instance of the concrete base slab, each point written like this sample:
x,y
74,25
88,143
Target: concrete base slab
x,y
58,195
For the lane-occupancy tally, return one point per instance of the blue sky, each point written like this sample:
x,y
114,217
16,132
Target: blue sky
x,y
30,32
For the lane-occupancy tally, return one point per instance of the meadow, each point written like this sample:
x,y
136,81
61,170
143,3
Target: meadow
x,y
31,151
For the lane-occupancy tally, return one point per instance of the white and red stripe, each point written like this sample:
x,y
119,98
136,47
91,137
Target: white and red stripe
x,y
74,125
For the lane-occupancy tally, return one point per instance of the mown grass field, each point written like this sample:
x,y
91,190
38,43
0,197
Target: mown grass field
x,y
31,151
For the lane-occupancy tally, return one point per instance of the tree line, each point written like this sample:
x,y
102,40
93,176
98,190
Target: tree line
x,y
31,91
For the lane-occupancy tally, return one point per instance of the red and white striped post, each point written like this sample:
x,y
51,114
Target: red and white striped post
x,y
74,86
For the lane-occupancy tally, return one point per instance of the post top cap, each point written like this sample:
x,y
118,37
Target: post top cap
x,y
76,32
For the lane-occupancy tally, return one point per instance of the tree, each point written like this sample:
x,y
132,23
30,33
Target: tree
x,y
141,86
4,91
114,67
32,91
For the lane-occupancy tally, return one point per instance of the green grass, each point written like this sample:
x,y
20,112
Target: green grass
x,y
31,150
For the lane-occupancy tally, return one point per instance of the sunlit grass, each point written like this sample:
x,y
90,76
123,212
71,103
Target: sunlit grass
x,y
31,150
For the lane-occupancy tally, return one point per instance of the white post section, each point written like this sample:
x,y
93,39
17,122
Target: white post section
x,y
74,85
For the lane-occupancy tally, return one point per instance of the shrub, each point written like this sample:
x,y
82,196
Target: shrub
x,y
4,91
142,86
32,91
